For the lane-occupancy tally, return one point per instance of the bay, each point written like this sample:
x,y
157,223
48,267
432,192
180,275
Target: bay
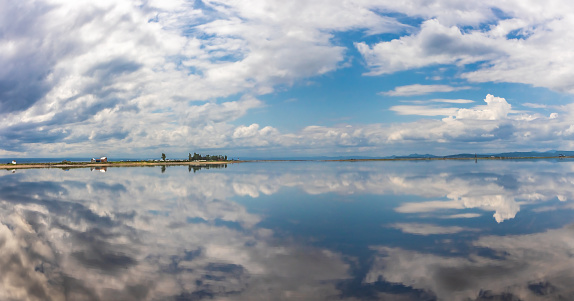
x,y
404,230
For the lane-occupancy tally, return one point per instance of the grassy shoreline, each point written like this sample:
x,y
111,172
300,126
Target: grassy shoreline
x,y
109,164
194,163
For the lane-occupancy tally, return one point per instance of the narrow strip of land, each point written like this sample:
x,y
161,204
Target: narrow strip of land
x,y
196,163
110,164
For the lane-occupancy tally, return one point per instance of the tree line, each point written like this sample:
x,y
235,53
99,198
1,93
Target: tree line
x,y
197,156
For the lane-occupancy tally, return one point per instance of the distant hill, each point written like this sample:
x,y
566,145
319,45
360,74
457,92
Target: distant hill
x,y
413,156
551,153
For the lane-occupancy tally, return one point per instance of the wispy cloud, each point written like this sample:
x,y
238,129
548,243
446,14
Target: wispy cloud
x,y
535,105
424,110
459,101
418,89
439,100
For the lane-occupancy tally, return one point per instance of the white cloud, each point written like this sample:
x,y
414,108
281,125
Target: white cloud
x,y
535,105
533,39
435,44
81,77
496,109
253,136
486,123
421,89
452,100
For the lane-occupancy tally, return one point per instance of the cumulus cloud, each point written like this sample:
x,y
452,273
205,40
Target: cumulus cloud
x,y
531,39
435,44
79,75
496,109
488,124
83,76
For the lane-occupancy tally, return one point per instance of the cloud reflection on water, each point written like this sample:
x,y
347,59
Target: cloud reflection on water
x,y
133,237
521,267
141,234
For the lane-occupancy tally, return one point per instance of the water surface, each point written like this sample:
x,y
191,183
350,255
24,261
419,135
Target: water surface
x,y
425,230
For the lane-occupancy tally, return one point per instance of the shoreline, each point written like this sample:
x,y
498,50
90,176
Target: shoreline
x,y
109,164
186,163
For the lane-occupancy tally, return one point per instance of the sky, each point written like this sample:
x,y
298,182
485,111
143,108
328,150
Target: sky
x,y
270,78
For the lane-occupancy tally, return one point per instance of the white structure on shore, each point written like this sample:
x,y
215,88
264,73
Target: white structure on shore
x,y
100,160
14,162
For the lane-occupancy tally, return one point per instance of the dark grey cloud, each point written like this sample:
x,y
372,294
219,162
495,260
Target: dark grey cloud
x,y
15,140
108,71
440,44
27,71
22,91
59,129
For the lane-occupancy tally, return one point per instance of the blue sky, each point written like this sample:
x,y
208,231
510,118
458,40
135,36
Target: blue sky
x,y
275,78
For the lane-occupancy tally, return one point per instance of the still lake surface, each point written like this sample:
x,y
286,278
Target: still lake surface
x,y
423,230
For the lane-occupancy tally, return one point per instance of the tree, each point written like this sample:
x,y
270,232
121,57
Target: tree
x,y
189,157
196,156
162,156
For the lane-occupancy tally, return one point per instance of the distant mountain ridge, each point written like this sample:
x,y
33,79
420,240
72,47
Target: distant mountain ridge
x,y
551,153
534,154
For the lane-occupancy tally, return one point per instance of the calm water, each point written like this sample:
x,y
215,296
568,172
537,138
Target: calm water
x,y
430,230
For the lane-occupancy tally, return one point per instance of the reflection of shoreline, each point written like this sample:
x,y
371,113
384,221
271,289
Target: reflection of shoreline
x,y
100,169
132,164
112,164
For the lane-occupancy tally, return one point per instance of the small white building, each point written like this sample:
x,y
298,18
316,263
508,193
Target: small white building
x,y
100,160
14,162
